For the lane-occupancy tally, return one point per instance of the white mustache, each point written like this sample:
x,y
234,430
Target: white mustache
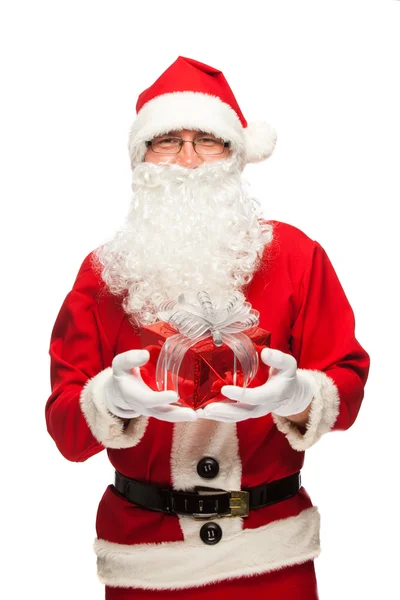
x,y
152,175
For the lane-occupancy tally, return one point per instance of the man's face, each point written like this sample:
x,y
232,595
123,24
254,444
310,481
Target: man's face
x,y
191,227
187,156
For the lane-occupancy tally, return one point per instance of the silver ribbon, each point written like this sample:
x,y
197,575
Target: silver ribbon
x,y
195,323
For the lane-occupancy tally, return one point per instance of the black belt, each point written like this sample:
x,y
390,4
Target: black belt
x,y
207,502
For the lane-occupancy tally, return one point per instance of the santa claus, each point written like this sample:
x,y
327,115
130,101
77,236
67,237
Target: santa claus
x,y
205,502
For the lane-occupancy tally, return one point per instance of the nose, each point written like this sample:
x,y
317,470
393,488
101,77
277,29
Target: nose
x,y
187,157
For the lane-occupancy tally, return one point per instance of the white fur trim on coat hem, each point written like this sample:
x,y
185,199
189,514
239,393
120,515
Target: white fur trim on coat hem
x,y
106,427
179,565
323,412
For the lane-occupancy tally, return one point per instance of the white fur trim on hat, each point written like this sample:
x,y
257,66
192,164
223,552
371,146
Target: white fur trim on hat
x,y
191,563
106,427
203,112
324,411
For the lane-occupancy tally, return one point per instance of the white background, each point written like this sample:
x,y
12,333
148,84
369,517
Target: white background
x,y
326,75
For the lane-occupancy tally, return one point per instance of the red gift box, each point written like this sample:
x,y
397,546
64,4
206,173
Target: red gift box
x,y
205,367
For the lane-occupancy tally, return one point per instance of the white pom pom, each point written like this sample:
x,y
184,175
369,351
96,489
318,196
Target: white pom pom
x,y
260,140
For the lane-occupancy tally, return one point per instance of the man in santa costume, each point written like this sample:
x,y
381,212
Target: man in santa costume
x,y
206,502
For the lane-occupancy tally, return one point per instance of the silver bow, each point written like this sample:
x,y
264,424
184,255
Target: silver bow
x,y
195,323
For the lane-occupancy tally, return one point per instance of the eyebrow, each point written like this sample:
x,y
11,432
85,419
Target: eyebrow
x,y
177,132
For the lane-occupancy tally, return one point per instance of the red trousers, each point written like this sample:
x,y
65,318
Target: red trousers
x,y
297,582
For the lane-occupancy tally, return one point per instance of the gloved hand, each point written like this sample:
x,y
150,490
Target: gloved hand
x,y
286,392
127,396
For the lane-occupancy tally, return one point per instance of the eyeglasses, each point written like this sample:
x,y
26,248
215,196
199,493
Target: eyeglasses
x,y
202,145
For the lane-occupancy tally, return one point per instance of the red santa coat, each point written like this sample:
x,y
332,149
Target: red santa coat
x,y
301,302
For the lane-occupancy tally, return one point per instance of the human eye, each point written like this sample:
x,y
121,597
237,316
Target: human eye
x,y
166,142
207,141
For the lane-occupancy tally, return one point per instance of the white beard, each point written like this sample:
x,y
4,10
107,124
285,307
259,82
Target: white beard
x,y
188,230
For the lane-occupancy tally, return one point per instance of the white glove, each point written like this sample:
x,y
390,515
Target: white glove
x,y
127,396
286,392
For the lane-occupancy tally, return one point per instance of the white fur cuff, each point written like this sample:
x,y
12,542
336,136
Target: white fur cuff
x,y
323,412
106,427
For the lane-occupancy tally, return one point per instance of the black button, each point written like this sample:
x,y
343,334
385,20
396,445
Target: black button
x,y
211,533
208,468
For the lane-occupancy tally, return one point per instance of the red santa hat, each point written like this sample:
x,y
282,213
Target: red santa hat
x,y
192,95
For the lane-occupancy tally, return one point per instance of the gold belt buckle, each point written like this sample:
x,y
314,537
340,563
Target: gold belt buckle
x,y
239,504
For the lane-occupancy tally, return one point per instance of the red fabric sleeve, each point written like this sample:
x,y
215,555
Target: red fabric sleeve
x,y
77,350
323,336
